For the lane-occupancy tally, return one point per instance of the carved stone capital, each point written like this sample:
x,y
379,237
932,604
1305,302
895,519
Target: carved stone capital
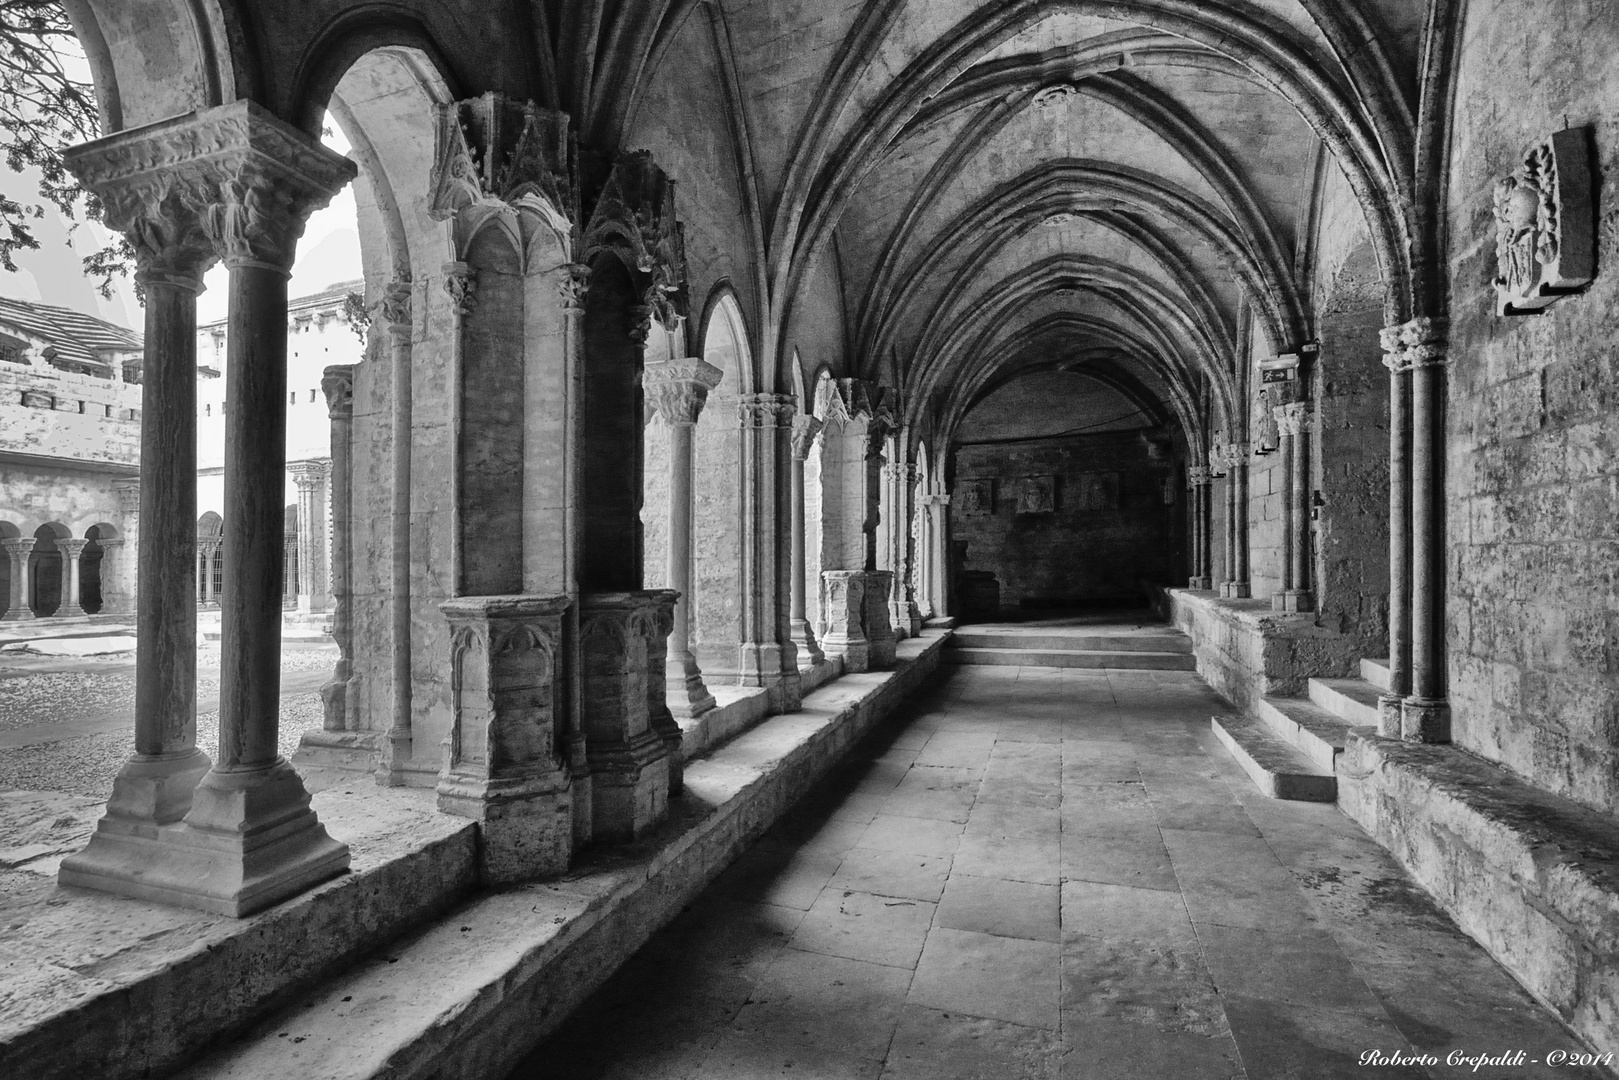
x,y
493,151
1545,226
461,282
395,306
1198,476
337,383
1425,343
634,218
309,475
20,547
233,182
129,494
677,389
1294,418
573,285
72,546
805,428
766,410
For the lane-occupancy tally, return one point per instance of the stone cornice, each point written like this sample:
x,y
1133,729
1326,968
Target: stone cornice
x,y
677,389
231,182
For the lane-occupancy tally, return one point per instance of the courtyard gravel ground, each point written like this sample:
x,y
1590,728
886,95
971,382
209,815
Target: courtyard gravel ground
x,y
87,765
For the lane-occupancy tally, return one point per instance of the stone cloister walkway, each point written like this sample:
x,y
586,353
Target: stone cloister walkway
x,y
1040,872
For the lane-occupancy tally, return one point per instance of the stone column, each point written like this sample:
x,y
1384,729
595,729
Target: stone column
x,y
18,550
71,605
876,624
337,383
1293,421
1390,704
572,286
504,765
1425,714
629,756
313,572
675,393
129,506
1235,587
114,596
154,183
880,637
843,604
805,428
888,547
938,505
250,838
1198,479
765,419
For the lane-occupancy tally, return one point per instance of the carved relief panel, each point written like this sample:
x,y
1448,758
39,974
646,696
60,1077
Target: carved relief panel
x,y
1545,239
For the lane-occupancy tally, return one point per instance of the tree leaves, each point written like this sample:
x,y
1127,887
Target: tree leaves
x,y
45,107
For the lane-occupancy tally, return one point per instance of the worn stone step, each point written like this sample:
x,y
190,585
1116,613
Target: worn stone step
x,y
1277,768
1317,733
1157,642
1353,701
1376,672
1072,658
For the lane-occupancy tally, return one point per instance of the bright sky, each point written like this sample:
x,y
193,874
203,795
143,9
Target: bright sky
x,y
328,253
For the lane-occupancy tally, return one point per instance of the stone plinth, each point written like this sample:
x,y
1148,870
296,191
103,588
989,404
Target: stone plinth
x,y
503,767
620,634
843,599
881,640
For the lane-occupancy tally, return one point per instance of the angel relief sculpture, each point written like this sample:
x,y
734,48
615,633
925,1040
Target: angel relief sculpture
x,y
1544,237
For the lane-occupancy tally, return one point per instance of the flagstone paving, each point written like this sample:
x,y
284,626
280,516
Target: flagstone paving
x,y
1055,873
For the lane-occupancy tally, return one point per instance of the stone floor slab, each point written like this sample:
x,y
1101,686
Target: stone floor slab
x,y
992,905
996,978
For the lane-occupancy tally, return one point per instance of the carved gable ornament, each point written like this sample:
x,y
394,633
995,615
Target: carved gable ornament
x,y
1545,236
493,153
634,218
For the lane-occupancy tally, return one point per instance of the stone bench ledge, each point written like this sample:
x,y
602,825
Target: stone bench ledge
x,y
1531,876
466,996
93,984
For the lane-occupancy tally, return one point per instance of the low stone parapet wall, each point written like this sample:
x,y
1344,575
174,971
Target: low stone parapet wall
x,y
1246,651
96,985
1532,877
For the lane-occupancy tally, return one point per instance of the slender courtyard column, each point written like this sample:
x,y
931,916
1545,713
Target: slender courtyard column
x,y
1425,714
1235,585
251,810
1390,705
337,384
129,506
72,550
1198,479
675,392
1293,420
766,420
144,179
18,551
313,571
805,428
249,838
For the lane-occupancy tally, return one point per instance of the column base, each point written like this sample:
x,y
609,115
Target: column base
x,y
1389,709
809,650
913,618
760,662
1292,600
1235,590
350,751
1200,583
899,620
250,841
1425,720
856,654
688,697
630,788
525,827
18,616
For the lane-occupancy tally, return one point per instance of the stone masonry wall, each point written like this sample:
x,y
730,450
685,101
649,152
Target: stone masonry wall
x,y
1532,485
1083,550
